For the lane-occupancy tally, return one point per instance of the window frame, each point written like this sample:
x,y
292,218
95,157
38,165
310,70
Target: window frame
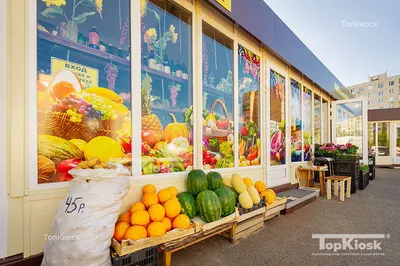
x,y
4,132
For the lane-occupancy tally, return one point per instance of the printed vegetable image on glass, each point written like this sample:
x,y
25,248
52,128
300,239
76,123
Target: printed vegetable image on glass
x,y
249,104
166,92
83,88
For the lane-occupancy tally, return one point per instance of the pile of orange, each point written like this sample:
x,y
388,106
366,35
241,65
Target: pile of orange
x,y
155,215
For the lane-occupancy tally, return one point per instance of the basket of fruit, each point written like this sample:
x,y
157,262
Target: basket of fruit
x,y
77,113
217,128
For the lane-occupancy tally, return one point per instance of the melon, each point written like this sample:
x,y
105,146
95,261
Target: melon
x,y
208,206
188,204
227,199
196,182
214,180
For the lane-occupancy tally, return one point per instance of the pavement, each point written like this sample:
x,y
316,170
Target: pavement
x,y
286,240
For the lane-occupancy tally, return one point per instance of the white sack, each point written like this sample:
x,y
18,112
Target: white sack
x,y
83,226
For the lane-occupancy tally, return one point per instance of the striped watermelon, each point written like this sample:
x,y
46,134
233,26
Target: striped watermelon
x,y
196,182
214,180
234,193
208,206
227,199
188,204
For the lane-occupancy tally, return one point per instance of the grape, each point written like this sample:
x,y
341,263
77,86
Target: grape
x,y
111,75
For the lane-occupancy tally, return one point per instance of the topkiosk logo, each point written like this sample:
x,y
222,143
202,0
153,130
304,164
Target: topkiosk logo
x,y
350,244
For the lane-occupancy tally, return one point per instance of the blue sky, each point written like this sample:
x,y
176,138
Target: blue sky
x,y
351,53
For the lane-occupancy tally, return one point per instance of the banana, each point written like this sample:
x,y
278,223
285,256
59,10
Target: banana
x,y
105,93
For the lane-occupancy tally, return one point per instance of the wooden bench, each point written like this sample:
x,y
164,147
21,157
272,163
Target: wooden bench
x,y
336,179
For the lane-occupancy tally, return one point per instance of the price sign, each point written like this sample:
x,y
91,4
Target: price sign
x,y
74,205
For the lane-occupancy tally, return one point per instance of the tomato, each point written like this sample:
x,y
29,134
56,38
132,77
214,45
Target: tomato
x,y
149,137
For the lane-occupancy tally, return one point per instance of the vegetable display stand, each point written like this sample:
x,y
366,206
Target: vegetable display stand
x,y
129,246
215,229
364,180
248,223
146,257
274,209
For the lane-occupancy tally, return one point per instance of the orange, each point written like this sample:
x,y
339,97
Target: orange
x,y
149,199
148,188
137,206
120,229
156,229
172,208
181,221
140,218
124,217
173,191
164,195
156,212
260,186
135,232
167,223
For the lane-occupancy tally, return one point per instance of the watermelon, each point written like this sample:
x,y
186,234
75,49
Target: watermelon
x,y
208,206
227,199
214,180
188,204
234,193
196,182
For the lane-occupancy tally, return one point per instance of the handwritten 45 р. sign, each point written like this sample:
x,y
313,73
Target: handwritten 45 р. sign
x,y
88,76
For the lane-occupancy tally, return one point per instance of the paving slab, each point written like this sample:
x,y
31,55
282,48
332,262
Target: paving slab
x,y
287,240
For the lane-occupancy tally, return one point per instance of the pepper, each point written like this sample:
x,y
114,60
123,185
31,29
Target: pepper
x,y
253,153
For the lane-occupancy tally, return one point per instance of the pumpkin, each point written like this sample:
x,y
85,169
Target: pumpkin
x,y
245,200
260,186
175,130
269,197
255,197
238,184
272,192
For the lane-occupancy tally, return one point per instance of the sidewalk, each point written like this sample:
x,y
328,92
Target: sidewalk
x,y
287,240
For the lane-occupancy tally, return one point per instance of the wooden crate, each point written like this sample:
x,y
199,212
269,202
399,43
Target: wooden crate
x,y
246,225
205,227
274,209
130,246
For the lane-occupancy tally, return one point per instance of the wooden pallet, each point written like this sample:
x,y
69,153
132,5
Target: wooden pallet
x,y
170,247
247,224
274,210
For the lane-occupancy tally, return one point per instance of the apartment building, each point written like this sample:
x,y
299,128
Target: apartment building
x,y
382,91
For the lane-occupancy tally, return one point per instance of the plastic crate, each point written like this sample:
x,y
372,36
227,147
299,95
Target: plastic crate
x,y
355,180
364,180
371,173
321,161
347,165
145,257
262,204
371,161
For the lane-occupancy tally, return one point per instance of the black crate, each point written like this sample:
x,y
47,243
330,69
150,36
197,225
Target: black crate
x,y
371,161
364,180
321,161
145,257
347,165
355,180
262,204
371,173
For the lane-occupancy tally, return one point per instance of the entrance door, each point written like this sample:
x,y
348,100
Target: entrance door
x,y
350,124
277,126
397,144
